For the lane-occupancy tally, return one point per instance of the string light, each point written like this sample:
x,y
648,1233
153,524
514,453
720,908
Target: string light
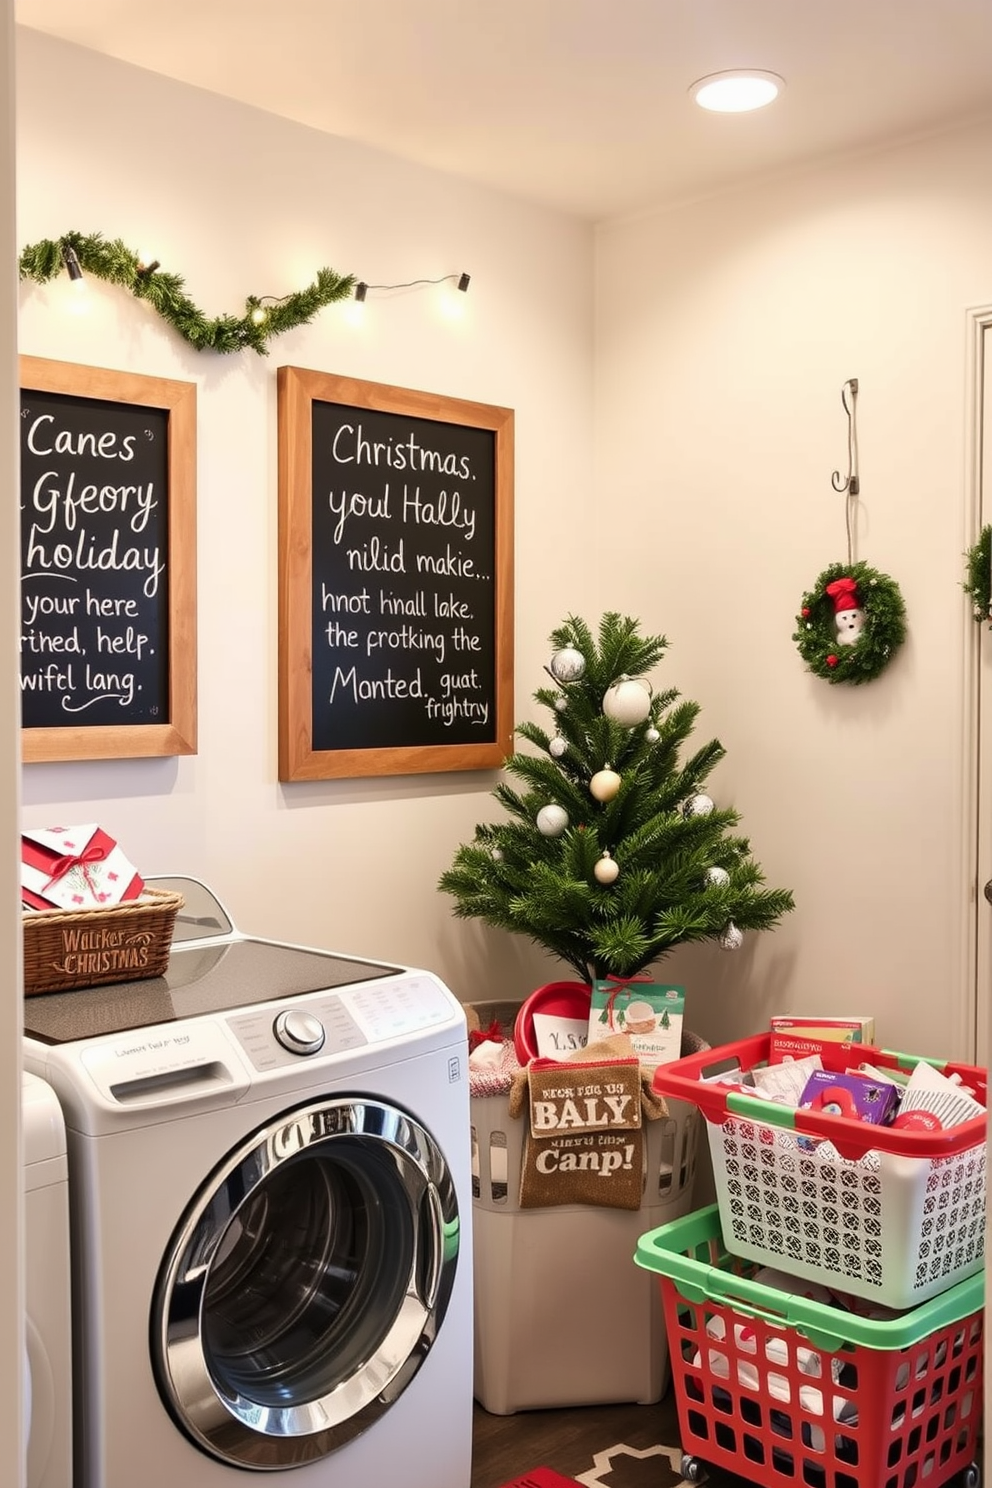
x,y
462,282
72,264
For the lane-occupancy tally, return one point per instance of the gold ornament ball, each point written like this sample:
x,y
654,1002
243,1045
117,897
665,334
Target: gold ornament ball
x,y
606,870
604,785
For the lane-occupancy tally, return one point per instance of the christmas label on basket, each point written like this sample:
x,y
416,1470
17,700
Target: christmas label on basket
x,y
584,1143
649,1012
75,868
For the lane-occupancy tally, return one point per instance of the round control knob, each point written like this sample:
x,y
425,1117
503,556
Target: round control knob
x,y
300,1033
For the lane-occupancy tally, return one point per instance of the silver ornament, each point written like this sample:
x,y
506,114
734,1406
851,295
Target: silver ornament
x,y
497,855
718,876
557,747
652,735
606,870
567,665
731,939
561,704
552,820
698,805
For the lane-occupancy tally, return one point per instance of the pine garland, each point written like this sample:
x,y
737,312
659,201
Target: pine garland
x,y
884,626
978,585
264,316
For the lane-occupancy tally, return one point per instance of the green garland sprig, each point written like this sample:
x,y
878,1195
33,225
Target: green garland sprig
x,y
265,316
978,585
883,633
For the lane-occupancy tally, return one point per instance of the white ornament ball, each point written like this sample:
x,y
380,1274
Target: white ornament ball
x,y
567,665
604,785
652,735
698,805
557,747
606,870
731,939
716,875
628,701
552,820
497,855
561,704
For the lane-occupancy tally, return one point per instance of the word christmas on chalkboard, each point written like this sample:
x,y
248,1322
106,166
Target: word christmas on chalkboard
x,y
107,588
395,579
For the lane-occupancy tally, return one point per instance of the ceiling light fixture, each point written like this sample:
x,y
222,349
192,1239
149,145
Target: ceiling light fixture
x,y
736,92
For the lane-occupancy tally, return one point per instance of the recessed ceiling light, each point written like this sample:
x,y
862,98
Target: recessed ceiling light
x,y
736,92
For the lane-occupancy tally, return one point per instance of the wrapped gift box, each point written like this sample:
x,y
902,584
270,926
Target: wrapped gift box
x,y
72,868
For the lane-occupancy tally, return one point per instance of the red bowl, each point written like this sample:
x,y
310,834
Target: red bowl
x,y
559,1000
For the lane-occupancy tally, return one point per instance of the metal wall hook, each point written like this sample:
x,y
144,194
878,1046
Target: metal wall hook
x,y
851,485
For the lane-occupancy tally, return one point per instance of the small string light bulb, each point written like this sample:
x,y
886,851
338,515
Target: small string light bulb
x,y
258,315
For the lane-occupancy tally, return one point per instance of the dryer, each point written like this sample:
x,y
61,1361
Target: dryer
x,y
48,1335
269,1155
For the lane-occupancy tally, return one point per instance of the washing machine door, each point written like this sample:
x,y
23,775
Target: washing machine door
x,y
305,1283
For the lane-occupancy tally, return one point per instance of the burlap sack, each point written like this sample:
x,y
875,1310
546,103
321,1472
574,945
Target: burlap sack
x,y
592,1158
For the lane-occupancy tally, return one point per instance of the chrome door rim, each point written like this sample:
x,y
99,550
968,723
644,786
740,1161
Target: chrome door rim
x,y
227,1423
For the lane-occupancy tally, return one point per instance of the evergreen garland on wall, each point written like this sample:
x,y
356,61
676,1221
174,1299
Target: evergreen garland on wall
x,y
264,316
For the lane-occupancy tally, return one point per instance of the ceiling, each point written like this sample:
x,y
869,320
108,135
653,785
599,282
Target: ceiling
x,y
579,104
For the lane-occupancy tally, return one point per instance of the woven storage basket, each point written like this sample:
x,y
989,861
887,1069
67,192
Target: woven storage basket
x,y
69,949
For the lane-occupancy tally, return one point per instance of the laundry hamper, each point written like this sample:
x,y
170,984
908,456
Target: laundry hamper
x,y
562,1316
788,1391
896,1216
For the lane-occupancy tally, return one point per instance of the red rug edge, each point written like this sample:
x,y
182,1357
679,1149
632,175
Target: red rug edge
x,y
542,1477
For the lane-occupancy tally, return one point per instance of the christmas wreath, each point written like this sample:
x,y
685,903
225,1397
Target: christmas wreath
x,y
978,585
851,623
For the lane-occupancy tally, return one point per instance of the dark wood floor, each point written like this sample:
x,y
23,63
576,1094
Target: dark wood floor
x,y
507,1447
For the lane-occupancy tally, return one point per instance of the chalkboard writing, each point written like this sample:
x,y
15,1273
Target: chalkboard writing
x,y
403,502
98,585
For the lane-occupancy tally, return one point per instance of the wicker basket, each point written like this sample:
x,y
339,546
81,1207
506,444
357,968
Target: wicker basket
x,y
69,949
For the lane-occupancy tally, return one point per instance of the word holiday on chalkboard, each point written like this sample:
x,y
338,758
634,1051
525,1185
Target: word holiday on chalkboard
x,y
395,579
107,588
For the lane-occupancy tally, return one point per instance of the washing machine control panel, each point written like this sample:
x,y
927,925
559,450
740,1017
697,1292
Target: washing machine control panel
x,y
330,1023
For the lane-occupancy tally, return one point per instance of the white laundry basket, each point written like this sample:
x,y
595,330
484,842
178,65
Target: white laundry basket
x,y
563,1316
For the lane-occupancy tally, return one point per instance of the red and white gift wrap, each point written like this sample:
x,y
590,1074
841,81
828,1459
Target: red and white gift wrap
x,y
75,868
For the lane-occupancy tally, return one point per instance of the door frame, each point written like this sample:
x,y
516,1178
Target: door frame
x,y
977,692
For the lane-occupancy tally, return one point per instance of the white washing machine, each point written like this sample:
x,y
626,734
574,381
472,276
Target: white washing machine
x,y
269,1159
48,1365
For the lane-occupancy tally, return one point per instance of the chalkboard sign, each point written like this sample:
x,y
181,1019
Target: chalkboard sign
x,y
395,567
108,597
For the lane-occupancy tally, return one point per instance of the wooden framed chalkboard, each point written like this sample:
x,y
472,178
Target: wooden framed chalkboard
x,y
108,553
395,579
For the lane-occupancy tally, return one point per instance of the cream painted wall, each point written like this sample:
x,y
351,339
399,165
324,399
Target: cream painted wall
x,y
238,201
12,1443
725,331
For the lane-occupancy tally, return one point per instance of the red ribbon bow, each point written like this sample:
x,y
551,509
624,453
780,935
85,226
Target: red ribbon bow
x,y
623,984
92,854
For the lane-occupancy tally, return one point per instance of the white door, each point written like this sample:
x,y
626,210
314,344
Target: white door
x,y
980,512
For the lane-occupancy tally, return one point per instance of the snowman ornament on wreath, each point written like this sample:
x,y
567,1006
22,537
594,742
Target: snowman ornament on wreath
x,y
850,624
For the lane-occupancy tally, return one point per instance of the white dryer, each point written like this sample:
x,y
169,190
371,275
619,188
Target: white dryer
x,y
48,1363
269,1154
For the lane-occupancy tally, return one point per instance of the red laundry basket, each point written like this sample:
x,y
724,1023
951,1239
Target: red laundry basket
x,y
790,1392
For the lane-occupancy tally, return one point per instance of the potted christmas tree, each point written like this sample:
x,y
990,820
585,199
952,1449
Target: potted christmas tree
x,y
613,852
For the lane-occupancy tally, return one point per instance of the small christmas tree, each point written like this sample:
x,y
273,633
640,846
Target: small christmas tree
x,y
614,853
